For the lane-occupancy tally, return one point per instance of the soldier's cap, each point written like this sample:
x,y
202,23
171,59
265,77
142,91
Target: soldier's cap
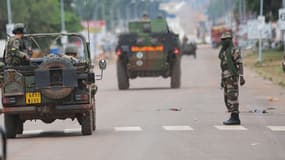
x,y
19,28
71,48
226,35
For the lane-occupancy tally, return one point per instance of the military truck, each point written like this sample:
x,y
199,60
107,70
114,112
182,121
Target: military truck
x,y
149,49
51,85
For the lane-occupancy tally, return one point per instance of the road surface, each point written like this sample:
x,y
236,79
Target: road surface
x,y
152,122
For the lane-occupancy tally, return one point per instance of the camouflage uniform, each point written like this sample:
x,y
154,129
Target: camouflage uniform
x,y
71,53
232,73
16,48
15,52
230,79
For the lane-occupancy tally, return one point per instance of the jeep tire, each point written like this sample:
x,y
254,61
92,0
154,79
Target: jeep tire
x,y
20,127
11,123
175,81
123,78
55,62
93,114
86,123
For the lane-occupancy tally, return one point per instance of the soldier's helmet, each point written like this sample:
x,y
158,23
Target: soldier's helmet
x,y
19,28
71,49
226,35
145,13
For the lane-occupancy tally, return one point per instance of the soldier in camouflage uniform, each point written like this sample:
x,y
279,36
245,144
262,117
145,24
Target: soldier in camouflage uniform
x,y
232,73
16,49
71,52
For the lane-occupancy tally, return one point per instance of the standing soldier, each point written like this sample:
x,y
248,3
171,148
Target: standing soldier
x,y
232,72
16,48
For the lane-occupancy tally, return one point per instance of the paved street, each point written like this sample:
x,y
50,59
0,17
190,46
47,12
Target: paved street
x,y
152,122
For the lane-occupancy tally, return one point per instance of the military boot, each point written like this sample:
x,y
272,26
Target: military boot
x,y
234,120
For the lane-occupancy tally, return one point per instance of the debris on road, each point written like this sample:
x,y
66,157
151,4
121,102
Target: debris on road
x,y
175,109
271,99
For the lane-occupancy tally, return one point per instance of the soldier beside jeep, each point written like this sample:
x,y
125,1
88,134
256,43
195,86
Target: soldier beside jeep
x,y
16,48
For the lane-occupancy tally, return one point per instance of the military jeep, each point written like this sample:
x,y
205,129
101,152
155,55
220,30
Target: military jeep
x,y
52,85
149,49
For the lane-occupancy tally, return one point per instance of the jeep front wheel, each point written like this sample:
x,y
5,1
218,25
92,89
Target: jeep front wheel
x,y
175,74
86,123
93,114
11,125
20,127
123,78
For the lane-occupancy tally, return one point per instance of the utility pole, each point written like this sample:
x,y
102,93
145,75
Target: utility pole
x,y
260,35
9,26
240,12
244,11
62,16
283,32
9,12
224,11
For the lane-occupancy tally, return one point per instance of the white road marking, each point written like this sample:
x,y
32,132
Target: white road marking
x,y
129,128
33,132
231,128
72,130
276,128
177,128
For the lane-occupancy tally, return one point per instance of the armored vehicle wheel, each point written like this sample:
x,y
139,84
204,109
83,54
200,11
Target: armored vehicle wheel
x,y
123,79
20,127
94,115
11,123
175,74
94,120
86,123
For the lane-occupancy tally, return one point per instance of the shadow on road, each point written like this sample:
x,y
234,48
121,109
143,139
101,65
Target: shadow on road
x,y
150,88
49,134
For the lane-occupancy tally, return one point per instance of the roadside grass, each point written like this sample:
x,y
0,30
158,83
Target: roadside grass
x,y
270,68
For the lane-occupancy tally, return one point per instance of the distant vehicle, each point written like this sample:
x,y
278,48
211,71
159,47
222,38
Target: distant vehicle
x,y
216,32
52,86
149,49
189,49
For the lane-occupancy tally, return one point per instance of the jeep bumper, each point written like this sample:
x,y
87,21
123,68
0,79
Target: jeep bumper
x,y
79,108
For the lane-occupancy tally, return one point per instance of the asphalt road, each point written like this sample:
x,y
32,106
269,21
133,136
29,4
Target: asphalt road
x,y
152,122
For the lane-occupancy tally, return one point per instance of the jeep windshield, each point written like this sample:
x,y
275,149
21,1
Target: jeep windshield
x,y
41,45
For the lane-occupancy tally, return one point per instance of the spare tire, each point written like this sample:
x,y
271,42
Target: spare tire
x,y
50,77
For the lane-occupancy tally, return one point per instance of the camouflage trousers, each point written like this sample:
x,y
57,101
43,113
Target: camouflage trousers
x,y
231,93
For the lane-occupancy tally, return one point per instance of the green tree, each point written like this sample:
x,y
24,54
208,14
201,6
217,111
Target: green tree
x,y
215,9
39,16
270,8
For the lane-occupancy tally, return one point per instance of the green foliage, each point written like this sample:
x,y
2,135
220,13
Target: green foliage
x,y
270,8
39,16
215,9
270,68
